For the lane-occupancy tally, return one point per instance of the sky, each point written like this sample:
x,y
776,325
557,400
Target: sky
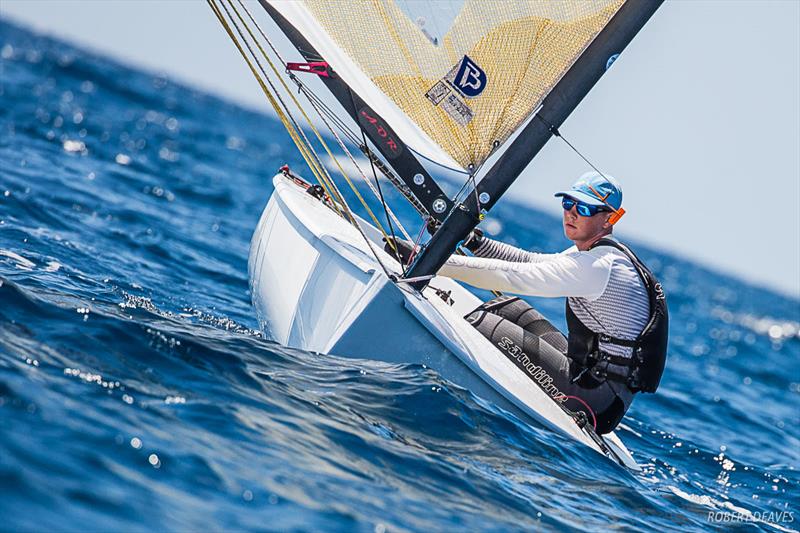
x,y
699,119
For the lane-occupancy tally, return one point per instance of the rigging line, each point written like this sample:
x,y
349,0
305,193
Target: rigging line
x,y
309,146
261,83
327,111
288,125
297,126
319,136
370,154
323,109
269,43
380,190
281,115
415,246
371,187
475,172
470,179
312,157
451,169
310,123
554,130
305,147
301,86
457,195
477,199
394,180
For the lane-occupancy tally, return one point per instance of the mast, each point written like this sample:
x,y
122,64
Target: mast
x,y
391,147
556,107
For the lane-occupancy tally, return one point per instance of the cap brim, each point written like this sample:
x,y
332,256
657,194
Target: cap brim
x,y
581,196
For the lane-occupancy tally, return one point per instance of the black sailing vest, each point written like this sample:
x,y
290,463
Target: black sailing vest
x,y
644,368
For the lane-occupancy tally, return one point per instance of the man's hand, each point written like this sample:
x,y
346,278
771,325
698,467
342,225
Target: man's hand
x,y
581,371
473,240
432,225
471,243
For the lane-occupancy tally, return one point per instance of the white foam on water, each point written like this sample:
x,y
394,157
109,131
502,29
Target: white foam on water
x,y
746,515
21,262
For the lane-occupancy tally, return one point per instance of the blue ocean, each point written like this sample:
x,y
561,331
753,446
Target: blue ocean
x,y
137,393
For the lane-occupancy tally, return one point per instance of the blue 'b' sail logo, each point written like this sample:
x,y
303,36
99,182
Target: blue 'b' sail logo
x,y
470,79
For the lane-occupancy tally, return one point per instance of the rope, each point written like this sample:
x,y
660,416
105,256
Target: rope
x,y
377,193
327,110
322,108
554,130
415,246
393,242
306,149
308,120
594,418
433,161
312,164
309,146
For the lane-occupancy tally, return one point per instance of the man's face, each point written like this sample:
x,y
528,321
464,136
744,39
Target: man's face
x,y
578,228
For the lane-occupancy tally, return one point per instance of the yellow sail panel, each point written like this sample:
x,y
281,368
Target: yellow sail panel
x,y
470,87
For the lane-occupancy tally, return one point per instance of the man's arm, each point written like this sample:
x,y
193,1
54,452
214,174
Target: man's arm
x,y
578,274
492,249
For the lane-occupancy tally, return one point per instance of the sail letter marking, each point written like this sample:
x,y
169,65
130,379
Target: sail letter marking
x,y
380,133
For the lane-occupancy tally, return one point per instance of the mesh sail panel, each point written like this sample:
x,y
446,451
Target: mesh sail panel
x,y
469,81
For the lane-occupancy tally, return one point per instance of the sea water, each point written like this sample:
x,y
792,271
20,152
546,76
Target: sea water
x,y
137,393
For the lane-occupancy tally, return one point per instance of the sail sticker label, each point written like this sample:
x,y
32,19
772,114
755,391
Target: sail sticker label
x,y
470,79
436,93
380,133
457,109
464,80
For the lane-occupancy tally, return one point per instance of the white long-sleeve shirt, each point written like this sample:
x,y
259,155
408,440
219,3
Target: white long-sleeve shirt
x,y
603,288
568,273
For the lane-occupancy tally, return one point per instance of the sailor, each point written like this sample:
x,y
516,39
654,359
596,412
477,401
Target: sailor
x,y
616,310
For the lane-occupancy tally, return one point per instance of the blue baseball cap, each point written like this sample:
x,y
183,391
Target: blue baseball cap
x,y
606,186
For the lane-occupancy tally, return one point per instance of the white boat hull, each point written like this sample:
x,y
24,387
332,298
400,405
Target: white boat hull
x,y
317,286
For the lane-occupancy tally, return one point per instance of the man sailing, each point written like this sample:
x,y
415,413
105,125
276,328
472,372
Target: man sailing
x,y
616,310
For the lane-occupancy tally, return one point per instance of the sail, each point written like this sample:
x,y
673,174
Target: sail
x,y
454,79
557,105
